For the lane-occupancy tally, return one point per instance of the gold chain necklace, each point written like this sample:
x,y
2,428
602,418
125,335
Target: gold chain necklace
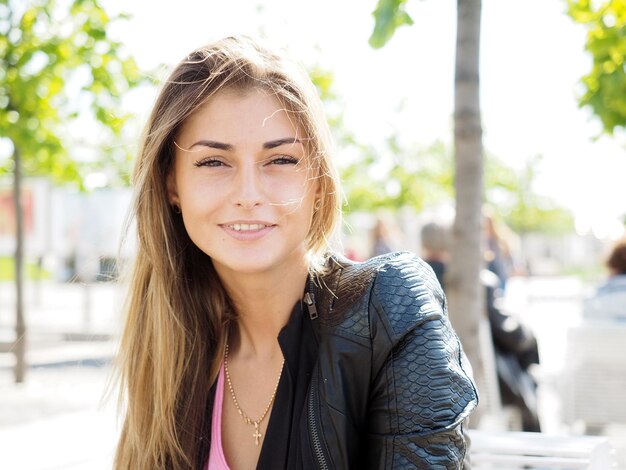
x,y
257,434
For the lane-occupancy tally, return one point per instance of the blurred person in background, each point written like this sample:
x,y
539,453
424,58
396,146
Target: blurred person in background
x,y
435,244
497,248
248,342
514,343
382,241
609,300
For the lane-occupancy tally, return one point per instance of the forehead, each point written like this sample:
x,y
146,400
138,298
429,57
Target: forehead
x,y
234,116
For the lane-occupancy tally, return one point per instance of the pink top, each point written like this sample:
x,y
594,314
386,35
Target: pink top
x,y
217,461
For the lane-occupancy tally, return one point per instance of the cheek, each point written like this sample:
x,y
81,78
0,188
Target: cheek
x,y
197,193
291,185
293,197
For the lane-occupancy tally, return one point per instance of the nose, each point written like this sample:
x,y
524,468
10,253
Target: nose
x,y
247,189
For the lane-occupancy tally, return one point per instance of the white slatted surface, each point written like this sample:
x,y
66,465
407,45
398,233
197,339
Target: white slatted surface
x,y
596,374
522,450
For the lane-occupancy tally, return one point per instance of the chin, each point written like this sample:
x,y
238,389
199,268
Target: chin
x,y
257,260
244,264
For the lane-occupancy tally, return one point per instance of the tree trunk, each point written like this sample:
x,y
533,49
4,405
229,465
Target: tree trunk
x,y
465,292
20,324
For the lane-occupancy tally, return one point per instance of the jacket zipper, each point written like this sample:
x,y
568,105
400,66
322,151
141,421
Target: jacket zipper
x,y
309,300
313,428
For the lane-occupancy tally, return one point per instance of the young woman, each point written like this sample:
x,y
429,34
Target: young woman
x,y
248,343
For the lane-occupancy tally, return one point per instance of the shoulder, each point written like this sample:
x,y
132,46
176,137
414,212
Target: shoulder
x,y
406,292
609,301
614,284
399,286
397,268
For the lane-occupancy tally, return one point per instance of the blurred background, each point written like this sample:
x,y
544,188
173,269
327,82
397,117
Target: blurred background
x,y
78,79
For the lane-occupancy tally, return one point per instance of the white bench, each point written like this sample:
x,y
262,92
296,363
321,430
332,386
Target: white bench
x,y
525,450
595,374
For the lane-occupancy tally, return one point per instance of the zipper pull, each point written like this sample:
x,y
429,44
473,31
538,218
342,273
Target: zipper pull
x,y
309,300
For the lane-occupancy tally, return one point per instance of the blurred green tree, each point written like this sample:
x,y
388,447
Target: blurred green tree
x,y
59,70
394,177
605,85
524,210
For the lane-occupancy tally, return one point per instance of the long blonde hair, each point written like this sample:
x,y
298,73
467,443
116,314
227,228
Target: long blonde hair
x,y
177,311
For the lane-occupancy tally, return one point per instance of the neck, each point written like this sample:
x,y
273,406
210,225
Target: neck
x,y
264,303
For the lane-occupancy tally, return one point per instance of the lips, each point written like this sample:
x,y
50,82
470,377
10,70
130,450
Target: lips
x,y
248,231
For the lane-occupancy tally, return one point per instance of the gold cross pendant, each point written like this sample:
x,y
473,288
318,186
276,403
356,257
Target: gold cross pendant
x,y
256,434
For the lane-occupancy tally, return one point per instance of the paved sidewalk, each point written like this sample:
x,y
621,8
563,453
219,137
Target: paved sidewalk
x,y
57,420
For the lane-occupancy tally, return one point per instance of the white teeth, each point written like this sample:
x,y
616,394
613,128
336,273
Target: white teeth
x,y
247,227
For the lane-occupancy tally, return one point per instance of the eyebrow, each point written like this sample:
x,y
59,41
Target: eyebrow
x,y
278,142
228,147
212,144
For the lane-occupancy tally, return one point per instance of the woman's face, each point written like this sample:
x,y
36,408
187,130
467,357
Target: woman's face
x,y
241,182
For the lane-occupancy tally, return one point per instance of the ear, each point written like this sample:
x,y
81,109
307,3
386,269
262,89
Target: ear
x,y
317,198
172,190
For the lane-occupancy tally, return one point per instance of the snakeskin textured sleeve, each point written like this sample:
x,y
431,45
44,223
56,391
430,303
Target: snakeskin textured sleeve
x,y
421,394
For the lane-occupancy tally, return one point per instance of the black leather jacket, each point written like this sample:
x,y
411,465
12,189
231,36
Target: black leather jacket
x,y
389,388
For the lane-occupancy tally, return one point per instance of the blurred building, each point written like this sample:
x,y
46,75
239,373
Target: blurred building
x,y
71,234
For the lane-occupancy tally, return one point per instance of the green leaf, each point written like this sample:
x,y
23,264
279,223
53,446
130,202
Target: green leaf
x,y
389,16
605,84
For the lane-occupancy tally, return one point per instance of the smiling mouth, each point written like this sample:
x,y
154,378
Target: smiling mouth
x,y
247,227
